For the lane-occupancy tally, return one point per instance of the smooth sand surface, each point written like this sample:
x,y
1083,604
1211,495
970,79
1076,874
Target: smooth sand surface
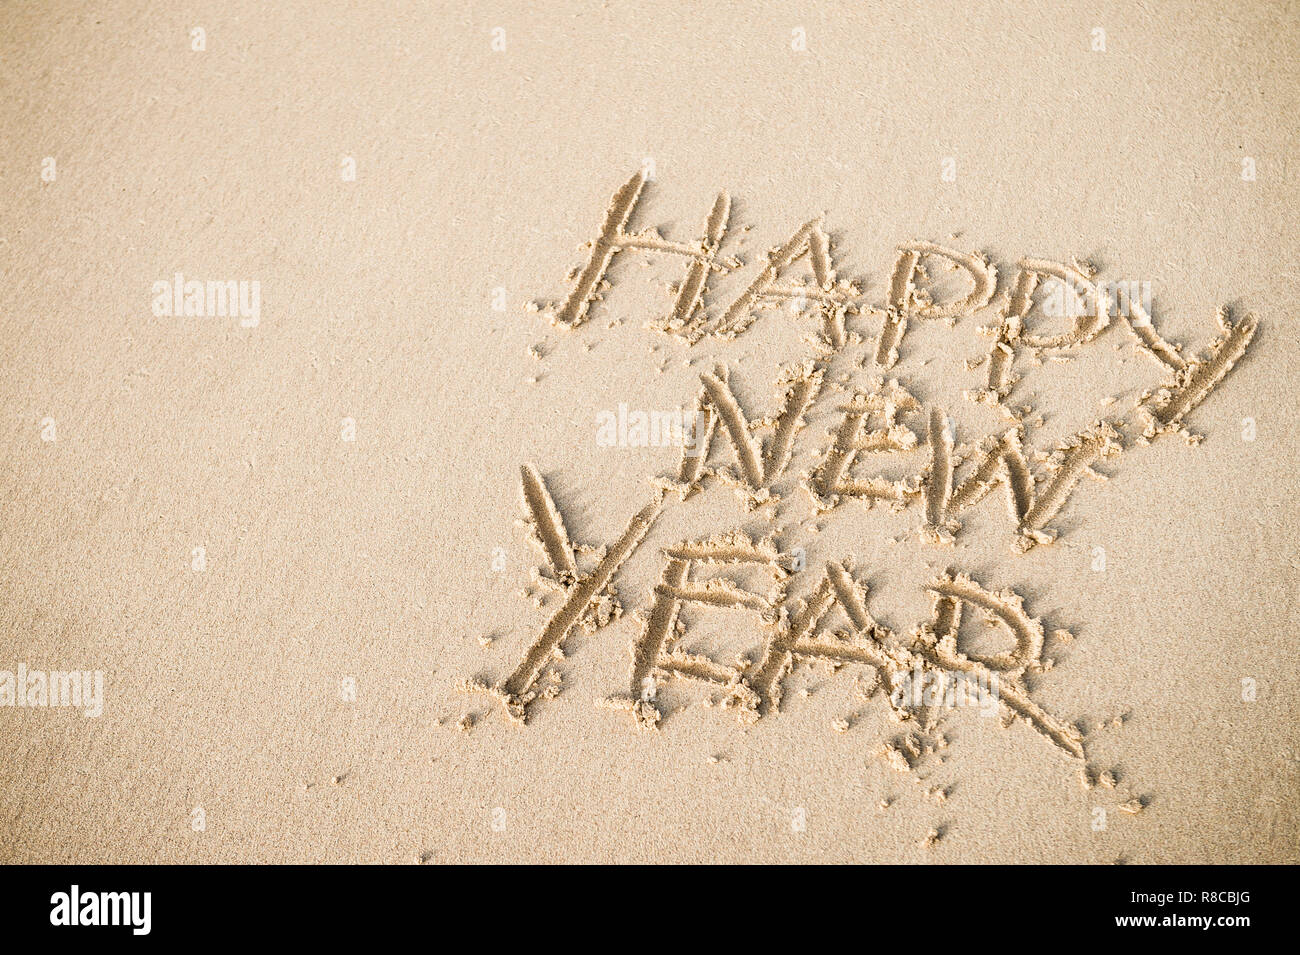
x,y
298,551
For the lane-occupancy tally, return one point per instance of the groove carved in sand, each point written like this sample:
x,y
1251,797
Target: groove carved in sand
x,y
834,479
937,643
907,299
520,688
547,525
1193,383
933,649
757,463
809,240
1087,325
615,238
657,656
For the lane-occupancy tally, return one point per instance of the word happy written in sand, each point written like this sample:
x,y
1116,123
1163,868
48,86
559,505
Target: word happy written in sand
x,y
877,420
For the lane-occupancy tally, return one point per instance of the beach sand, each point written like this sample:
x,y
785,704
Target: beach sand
x,y
382,568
